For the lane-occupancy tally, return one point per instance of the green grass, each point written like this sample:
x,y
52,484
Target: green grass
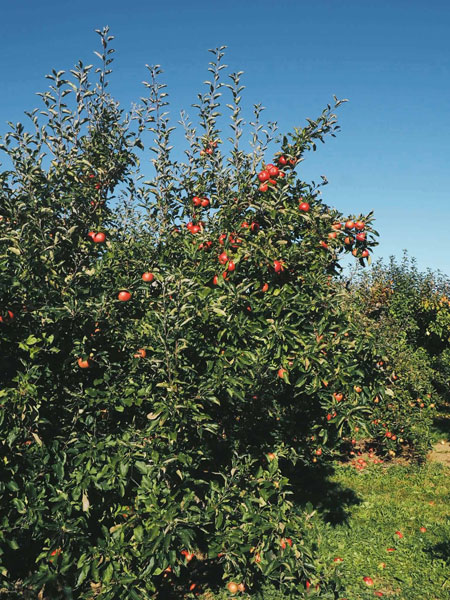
x,y
394,498
359,513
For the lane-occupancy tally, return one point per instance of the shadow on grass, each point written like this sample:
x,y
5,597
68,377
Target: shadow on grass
x,y
440,551
332,500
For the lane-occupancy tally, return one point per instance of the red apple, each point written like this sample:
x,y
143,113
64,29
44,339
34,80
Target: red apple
x,y
124,296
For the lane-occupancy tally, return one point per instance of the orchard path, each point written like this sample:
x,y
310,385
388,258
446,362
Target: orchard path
x,y
441,453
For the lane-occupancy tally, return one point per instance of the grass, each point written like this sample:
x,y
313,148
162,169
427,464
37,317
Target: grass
x,y
394,498
358,515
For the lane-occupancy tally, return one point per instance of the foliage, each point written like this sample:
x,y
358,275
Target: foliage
x,y
152,426
410,313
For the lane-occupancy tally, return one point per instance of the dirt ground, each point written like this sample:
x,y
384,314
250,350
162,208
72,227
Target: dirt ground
x,y
441,453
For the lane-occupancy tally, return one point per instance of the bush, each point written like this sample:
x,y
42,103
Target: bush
x,y
164,380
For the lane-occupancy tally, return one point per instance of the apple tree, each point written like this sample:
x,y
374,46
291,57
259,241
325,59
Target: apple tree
x,y
175,344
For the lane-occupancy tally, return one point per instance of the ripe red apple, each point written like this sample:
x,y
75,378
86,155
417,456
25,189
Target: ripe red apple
x,y
360,237
196,201
99,238
263,187
223,258
124,296
281,372
265,287
349,224
368,581
195,229
205,202
231,266
365,253
215,280
282,160
272,170
83,364
278,266
304,206
359,225
148,277
141,353
332,235
263,176
91,235
423,529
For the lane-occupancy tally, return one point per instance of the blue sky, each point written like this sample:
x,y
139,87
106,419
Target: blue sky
x,y
390,58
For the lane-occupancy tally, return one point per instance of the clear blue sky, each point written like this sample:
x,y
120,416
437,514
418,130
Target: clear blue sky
x,y
391,58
